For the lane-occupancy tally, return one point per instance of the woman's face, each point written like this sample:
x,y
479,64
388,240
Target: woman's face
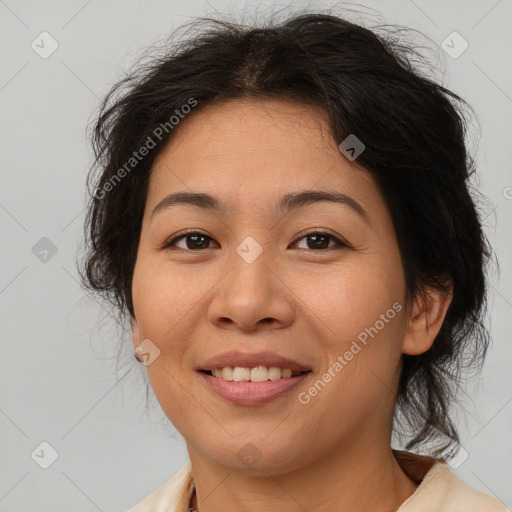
x,y
250,280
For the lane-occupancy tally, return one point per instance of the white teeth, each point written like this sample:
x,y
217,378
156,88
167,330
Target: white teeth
x,y
256,374
274,373
241,374
259,374
226,373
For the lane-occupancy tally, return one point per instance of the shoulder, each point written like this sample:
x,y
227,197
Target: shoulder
x,y
441,490
173,495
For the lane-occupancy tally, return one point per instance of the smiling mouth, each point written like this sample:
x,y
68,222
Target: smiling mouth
x,y
254,386
255,374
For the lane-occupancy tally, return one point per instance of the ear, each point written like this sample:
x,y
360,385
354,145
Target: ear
x,y
135,332
426,318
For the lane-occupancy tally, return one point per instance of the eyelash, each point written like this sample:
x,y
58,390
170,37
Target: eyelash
x,y
170,244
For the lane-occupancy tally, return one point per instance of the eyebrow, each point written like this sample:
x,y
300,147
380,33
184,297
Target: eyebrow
x,y
286,203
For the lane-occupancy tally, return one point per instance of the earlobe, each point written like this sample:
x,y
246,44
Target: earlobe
x,y
426,319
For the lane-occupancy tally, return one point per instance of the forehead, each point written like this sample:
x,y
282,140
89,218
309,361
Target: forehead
x,y
263,118
254,128
256,149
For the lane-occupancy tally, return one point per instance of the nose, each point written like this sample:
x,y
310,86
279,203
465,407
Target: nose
x,y
253,296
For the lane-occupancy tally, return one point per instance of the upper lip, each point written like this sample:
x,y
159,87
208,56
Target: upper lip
x,y
250,360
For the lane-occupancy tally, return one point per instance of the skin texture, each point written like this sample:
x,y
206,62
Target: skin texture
x,y
301,302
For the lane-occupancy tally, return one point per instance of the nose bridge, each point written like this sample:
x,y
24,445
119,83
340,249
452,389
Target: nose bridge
x,y
250,250
251,291
250,263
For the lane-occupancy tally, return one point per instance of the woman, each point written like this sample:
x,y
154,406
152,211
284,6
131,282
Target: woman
x,y
283,214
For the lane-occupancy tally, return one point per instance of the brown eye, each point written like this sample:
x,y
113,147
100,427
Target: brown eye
x,y
193,241
320,241
196,241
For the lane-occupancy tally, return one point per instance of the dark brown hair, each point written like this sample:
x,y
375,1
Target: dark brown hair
x,y
414,134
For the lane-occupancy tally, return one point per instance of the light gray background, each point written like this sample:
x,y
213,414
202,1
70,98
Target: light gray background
x,y
59,382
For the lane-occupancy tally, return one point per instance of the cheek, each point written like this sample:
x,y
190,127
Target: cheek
x,y
360,319
161,308
350,299
164,298
356,388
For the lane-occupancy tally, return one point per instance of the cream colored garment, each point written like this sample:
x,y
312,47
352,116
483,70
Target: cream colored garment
x,y
439,491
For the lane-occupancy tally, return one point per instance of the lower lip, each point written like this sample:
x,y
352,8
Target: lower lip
x,y
252,393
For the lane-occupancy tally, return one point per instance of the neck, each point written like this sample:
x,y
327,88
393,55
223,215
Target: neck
x,y
353,479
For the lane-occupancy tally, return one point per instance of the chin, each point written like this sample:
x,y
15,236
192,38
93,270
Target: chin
x,y
258,456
